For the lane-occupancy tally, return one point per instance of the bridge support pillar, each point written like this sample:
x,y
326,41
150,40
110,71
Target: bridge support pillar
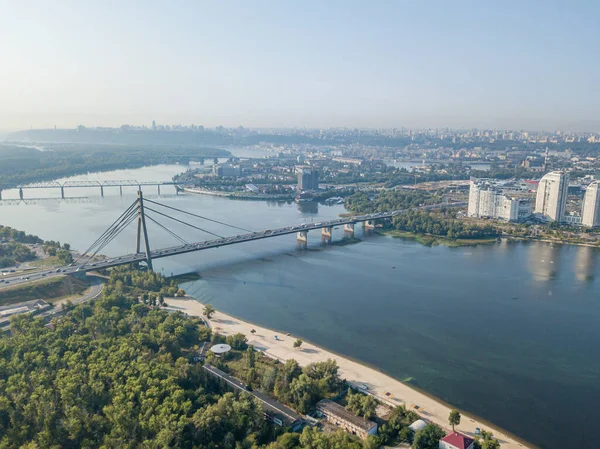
x,y
349,230
121,190
158,187
62,192
302,238
326,234
102,191
21,192
368,224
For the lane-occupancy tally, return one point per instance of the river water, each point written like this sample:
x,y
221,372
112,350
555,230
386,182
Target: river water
x,y
508,331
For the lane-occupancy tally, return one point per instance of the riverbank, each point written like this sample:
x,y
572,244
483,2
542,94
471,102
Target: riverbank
x,y
432,240
384,387
238,195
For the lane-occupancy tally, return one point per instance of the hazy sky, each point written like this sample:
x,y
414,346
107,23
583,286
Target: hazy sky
x,y
524,64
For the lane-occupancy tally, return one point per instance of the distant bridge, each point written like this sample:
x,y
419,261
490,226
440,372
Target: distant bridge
x,y
89,184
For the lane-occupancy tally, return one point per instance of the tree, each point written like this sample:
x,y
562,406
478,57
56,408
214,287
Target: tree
x,y
237,341
209,310
454,418
428,437
297,343
490,444
64,256
369,405
250,356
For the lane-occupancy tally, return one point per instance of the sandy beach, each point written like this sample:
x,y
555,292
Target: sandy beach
x,y
385,388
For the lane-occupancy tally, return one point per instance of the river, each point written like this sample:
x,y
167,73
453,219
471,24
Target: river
x,y
508,331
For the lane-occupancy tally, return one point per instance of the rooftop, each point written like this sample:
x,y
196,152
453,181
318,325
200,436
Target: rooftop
x,y
339,411
458,440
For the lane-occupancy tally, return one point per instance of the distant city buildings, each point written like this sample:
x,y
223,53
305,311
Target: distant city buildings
x,y
487,200
308,178
590,215
551,199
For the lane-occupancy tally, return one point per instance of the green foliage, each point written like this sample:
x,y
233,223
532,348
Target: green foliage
x,y
13,253
64,256
297,343
361,404
110,374
487,441
396,428
441,223
209,310
251,356
8,233
361,202
126,279
237,341
454,418
428,437
19,165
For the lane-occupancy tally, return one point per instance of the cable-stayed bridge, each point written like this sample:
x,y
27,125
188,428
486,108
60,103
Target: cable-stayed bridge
x,y
144,210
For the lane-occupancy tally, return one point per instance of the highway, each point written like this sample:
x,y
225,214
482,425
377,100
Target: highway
x,y
208,244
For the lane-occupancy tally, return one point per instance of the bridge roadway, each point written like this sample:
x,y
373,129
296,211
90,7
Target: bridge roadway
x,y
215,243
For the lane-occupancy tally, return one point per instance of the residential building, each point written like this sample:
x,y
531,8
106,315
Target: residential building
x,y
487,200
308,178
341,417
456,440
551,199
590,215
227,170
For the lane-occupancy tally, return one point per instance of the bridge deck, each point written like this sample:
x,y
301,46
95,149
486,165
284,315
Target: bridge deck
x,y
241,238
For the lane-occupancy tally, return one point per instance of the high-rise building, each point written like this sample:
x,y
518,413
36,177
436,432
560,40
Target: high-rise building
x,y
308,178
551,198
590,214
486,200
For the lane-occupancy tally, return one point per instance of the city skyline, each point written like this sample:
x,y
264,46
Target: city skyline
x,y
342,64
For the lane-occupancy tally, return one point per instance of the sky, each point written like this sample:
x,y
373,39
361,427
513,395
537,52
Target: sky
x,y
368,64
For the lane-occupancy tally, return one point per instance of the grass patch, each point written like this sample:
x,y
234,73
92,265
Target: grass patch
x,y
50,289
50,261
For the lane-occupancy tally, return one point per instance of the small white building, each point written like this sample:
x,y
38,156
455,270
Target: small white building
x,y
417,425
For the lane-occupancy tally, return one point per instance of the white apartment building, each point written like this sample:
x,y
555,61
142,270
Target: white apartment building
x,y
486,200
551,198
590,214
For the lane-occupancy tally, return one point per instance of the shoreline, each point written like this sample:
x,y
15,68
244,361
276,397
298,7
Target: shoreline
x,y
384,387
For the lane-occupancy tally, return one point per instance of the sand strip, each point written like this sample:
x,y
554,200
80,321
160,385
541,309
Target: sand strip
x,y
382,386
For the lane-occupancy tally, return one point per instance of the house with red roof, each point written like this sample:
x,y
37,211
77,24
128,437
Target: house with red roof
x,y
455,440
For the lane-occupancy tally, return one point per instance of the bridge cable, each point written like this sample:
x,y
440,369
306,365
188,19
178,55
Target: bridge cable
x,y
183,222
198,216
115,232
108,230
167,229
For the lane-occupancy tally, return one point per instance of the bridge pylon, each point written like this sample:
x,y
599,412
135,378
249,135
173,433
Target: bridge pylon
x,y
141,228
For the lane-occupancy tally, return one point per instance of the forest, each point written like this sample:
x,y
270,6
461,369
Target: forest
x,y
22,165
14,251
119,373
443,222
